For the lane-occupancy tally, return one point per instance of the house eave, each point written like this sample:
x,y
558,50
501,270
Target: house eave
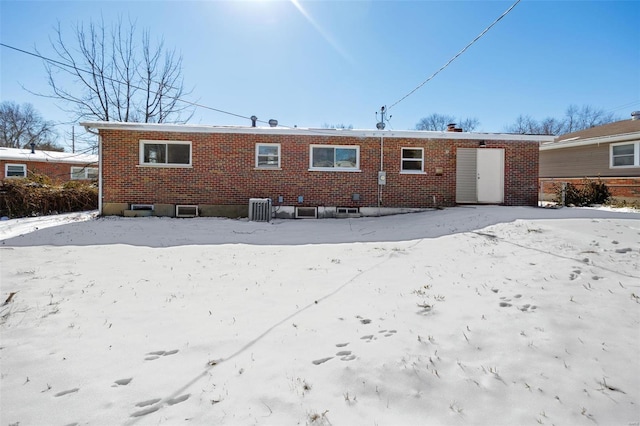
x,y
298,131
571,143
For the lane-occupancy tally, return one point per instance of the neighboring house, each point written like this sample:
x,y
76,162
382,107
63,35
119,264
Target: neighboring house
x,y
187,170
610,152
59,166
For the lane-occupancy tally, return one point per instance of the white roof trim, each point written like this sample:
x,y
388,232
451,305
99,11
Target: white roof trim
x,y
15,154
417,134
575,142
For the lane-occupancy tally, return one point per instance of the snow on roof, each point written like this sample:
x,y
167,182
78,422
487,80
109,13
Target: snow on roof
x,y
281,130
16,154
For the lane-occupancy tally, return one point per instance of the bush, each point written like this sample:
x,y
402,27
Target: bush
x,y
587,193
25,197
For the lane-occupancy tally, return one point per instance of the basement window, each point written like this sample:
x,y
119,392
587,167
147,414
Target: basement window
x,y
165,153
334,158
15,170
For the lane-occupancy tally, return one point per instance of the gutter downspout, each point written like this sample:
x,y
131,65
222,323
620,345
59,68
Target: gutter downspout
x,y
381,169
88,129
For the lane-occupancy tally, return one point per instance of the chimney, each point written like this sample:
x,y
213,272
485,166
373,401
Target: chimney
x,y
451,127
253,120
635,115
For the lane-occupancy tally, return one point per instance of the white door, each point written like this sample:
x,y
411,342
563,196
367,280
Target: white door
x,y
490,169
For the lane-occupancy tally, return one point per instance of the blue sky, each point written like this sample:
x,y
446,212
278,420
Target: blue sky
x,y
338,62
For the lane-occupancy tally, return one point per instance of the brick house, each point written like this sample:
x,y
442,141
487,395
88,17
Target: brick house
x,y
58,166
610,152
167,170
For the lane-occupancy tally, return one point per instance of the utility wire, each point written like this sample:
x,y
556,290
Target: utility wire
x,y
195,104
75,67
456,56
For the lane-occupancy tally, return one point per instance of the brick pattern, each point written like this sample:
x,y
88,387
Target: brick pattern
x,y
223,171
627,188
58,172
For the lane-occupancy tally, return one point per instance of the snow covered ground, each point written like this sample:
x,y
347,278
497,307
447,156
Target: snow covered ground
x,y
469,315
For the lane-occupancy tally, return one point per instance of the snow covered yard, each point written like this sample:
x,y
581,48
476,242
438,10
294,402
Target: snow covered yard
x,y
483,315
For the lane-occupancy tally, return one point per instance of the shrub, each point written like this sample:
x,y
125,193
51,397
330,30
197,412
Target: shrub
x,y
24,197
587,193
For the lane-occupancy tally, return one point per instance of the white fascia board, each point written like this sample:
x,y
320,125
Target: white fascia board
x,y
298,131
573,142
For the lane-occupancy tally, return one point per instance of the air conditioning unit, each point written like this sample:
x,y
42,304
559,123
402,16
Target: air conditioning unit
x,y
186,211
260,209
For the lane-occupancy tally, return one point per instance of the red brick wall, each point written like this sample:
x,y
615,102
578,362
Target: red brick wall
x,y
622,188
58,172
224,173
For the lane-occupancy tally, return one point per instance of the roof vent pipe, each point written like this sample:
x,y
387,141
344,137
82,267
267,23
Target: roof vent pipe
x,y
33,147
635,115
273,123
253,120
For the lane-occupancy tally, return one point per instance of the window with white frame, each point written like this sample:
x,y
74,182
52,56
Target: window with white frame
x,y
412,160
15,170
84,173
165,153
625,154
334,157
268,155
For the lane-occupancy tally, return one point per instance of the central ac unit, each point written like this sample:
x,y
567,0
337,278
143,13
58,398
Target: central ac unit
x,y
260,209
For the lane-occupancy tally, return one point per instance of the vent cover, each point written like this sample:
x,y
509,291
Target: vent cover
x,y
142,207
186,211
306,212
260,209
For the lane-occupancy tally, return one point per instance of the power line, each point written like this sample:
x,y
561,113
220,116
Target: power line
x,y
195,104
75,67
456,56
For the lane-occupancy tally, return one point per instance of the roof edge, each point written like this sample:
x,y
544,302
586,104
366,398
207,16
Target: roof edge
x,y
575,142
417,134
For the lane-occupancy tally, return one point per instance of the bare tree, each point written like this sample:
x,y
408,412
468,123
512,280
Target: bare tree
x,y
115,81
526,125
585,117
341,126
575,119
20,126
439,122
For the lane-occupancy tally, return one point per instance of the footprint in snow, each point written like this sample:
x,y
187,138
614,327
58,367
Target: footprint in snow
x,y
321,360
59,394
148,402
157,354
179,399
527,307
624,250
153,406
